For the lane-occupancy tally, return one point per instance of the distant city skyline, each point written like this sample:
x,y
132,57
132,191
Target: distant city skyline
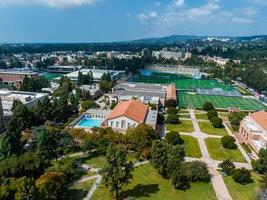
x,y
50,21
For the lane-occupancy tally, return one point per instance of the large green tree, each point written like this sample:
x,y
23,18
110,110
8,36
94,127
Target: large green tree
x,y
117,172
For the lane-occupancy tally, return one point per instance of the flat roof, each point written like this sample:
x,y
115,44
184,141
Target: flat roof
x,y
62,66
97,73
18,72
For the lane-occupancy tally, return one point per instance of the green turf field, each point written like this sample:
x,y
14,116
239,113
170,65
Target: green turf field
x,y
51,76
182,82
159,77
190,84
186,99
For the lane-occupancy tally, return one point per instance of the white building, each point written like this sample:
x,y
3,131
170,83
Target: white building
x,y
129,114
97,74
29,99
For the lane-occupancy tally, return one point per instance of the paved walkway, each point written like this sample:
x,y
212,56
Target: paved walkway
x,y
93,188
219,186
237,143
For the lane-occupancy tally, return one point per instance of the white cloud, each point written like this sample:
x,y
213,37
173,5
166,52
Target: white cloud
x,y
179,3
242,20
258,2
144,17
249,11
50,3
193,14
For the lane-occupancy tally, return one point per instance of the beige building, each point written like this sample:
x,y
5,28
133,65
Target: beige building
x,y
253,130
129,114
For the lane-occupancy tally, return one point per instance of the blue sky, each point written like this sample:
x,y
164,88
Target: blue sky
x,y
119,20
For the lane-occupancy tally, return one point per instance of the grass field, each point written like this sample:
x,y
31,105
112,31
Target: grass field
x,y
201,116
78,191
184,126
182,82
218,152
186,99
206,127
191,147
243,192
148,184
100,161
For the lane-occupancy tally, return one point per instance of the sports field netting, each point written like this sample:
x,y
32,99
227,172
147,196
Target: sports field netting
x,y
220,102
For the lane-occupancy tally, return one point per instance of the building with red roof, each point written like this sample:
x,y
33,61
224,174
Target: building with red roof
x,y
129,114
253,130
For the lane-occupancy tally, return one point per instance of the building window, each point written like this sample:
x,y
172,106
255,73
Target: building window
x,y
111,124
117,124
129,125
123,124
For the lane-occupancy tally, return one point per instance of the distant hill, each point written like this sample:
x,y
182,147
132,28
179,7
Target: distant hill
x,y
184,38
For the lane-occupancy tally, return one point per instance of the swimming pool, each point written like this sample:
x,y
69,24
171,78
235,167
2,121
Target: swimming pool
x,y
88,122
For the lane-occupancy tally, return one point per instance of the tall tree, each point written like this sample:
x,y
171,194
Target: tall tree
x,y
159,158
118,171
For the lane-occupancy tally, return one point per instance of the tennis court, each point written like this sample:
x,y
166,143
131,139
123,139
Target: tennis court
x,y
221,102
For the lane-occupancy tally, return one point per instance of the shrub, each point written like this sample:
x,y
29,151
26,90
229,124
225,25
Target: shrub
x,y
227,167
208,106
197,171
172,119
242,176
171,103
174,138
228,142
211,114
180,180
172,111
88,104
235,119
216,122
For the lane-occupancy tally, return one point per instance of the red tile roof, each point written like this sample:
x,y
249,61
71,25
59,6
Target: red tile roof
x,y
171,92
261,118
131,109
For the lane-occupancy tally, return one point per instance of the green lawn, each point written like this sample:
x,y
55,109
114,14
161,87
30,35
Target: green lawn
x,y
218,152
243,192
202,116
78,191
184,116
184,126
147,184
183,111
96,162
206,127
100,161
191,147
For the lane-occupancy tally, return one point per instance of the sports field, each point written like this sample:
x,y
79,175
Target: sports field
x,y
196,101
51,76
182,82
158,77
190,84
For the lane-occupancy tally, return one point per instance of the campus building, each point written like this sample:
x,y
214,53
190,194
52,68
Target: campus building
x,y
171,93
15,77
129,114
97,74
253,130
144,92
62,69
29,99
